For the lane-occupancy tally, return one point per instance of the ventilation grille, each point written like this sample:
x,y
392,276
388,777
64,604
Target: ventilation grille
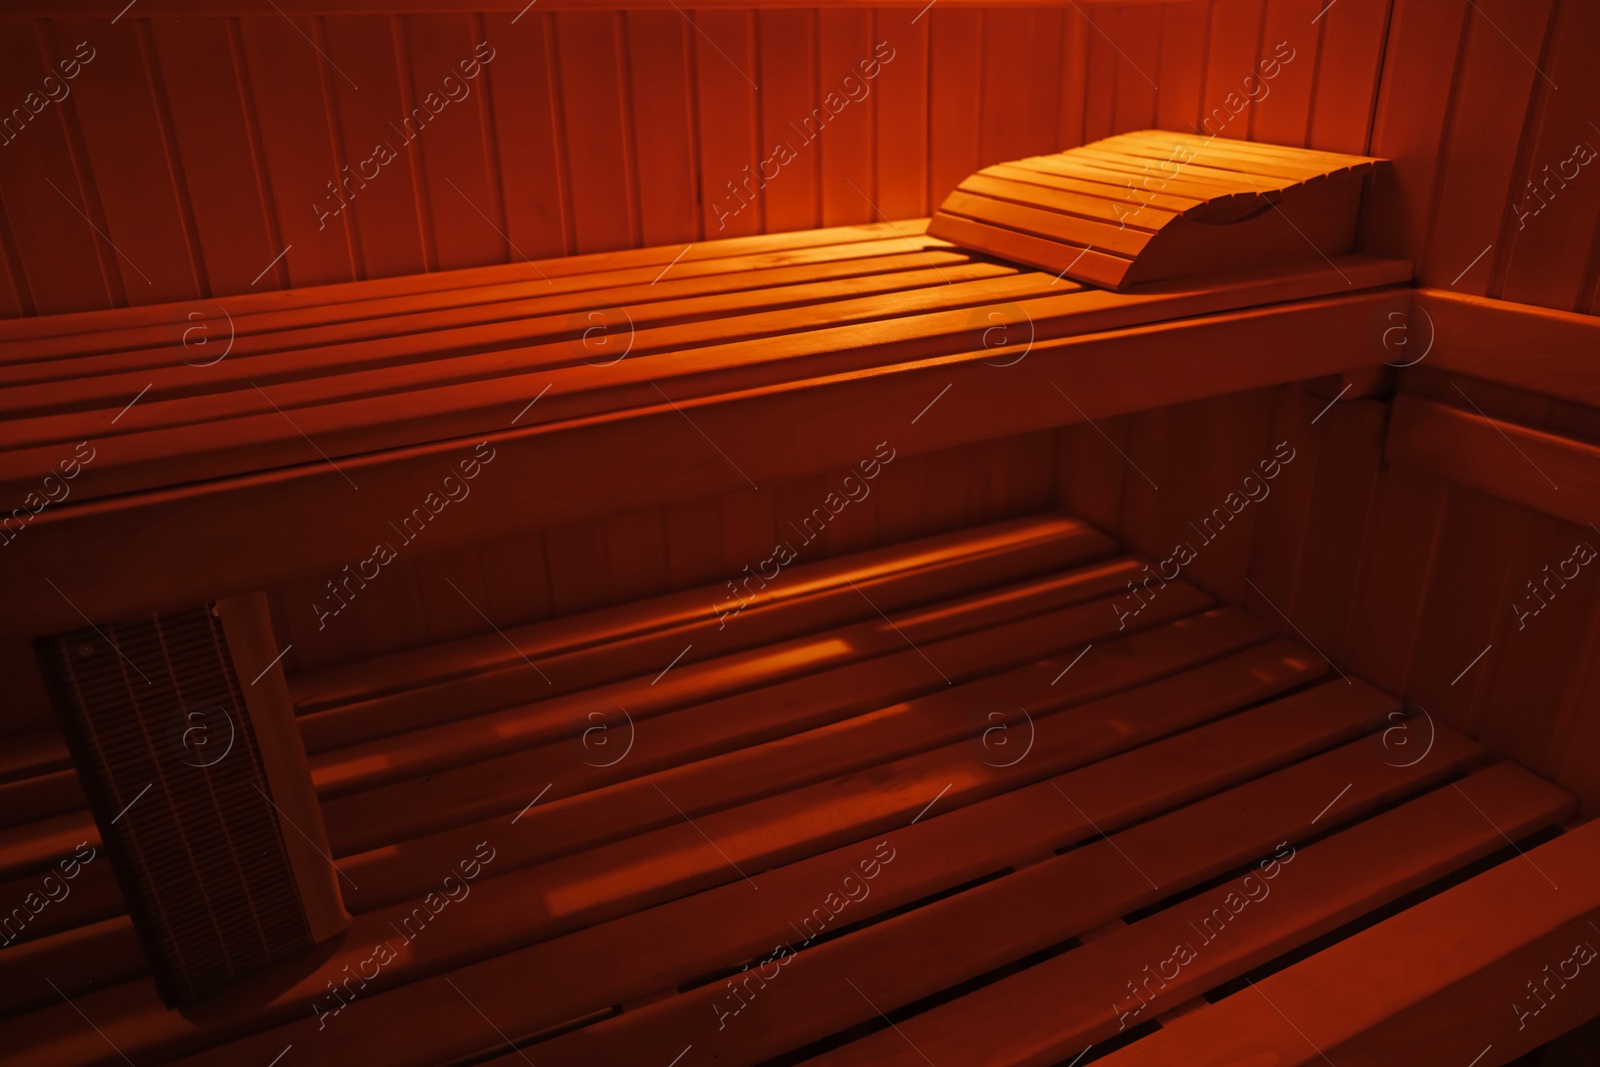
x,y
157,723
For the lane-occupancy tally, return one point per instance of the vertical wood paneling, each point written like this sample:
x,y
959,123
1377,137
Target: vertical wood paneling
x,y
661,83
1008,78
1230,58
126,135
1101,73
599,155
215,139
1183,59
901,96
588,130
788,96
1137,32
1408,128
529,136
1347,75
1075,33
956,44
461,193
1494,86
726,72
286,81
848,190
63,264
1282,115
384,212
1551,231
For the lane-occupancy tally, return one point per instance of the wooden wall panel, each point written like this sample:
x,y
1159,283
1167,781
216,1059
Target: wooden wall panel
x,y
642,554
203,148
1486,109
1396,574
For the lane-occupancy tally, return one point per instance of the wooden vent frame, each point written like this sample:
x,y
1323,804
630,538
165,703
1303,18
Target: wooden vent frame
x,y
1155,205
183,735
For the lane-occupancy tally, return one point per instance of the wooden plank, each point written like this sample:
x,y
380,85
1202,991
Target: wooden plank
x,y
219,182
954,53
1282,115
939,945
469,783
1491,102
1280,537
383,211
691,937
1548,248
433,343
1472,586
1434,977
459,195
319,302
1405,540
94,956
548,344
593,818
1550,605
1471,334
1042,252
1096,191
1408,128
1338,524
1553,474
1075,89
845,184
661,84
1007,77
1136,33
1347,75
724,60
119,115
530,135
1233,45
1041,222
1184,47
65,265
594,887
220,7
609,461
789,92
1101,79
460,400
293,107
397,693
903,103
596,124
50,359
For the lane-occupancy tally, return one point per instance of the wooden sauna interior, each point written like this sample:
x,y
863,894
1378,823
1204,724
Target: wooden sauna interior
x,y
520,542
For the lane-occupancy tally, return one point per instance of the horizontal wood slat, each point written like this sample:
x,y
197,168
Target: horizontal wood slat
x,y
600,459
1408,986
1543,471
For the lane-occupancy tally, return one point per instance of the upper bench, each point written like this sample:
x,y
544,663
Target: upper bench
x,y
223,445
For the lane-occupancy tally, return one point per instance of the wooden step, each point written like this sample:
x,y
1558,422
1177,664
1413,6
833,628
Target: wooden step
x,y
466,777
1091,993
1441,982
562,826
895,576
553,660
683,941
526,905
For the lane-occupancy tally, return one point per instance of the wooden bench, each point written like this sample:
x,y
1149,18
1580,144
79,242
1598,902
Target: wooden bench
x,y
937,801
